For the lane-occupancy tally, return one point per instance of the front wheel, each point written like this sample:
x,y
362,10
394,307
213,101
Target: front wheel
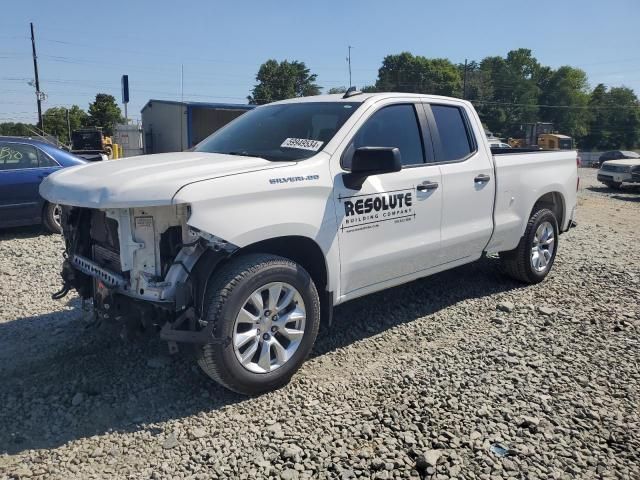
x,y
266,314
51,217
532,259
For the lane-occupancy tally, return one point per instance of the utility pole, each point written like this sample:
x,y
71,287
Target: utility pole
x,y
68,126
182,82
182,110
349,61
35,69
464,81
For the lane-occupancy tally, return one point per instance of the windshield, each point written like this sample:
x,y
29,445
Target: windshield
x,y
284,132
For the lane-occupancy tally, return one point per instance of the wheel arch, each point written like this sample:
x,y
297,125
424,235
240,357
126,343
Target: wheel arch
x,y
43,207
555,202
300,249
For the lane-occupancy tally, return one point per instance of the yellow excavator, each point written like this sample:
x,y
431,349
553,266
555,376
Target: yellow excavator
x,y
516,142
541,135
555,141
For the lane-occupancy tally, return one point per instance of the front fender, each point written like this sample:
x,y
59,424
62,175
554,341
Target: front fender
x,y
250,208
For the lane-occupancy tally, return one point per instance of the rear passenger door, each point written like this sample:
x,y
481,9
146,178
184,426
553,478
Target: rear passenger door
x,y
468,183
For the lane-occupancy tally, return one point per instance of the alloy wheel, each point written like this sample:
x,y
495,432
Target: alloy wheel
x,y
269,327
543,247
57,215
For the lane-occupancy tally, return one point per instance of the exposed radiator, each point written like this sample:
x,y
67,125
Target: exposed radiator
x,y
107,258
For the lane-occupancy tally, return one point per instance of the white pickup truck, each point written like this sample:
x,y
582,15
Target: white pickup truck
x,y
241,247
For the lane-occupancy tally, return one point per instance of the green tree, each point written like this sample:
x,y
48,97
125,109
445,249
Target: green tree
x,y
365,89
55,121
567,90
614,119
104,112
477,86
515,84
282,80
623,117
597,128
16,129
405,72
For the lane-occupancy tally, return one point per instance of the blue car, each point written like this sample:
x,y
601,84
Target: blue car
x,y
23,164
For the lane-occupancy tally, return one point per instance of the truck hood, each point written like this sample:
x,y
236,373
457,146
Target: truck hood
x,y
144,181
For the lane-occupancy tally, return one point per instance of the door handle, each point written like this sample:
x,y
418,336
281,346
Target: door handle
x,y
427,186
482,178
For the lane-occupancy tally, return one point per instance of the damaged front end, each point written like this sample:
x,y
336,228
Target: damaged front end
x,y
144,269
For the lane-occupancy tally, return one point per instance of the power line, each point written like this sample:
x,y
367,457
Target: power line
x,y
199,60
585,107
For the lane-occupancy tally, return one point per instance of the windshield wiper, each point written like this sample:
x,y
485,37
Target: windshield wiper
x,y
244,154
271,158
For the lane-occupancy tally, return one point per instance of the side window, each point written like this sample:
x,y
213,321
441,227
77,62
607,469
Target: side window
x,y
45,160
17,155
452,128
392,126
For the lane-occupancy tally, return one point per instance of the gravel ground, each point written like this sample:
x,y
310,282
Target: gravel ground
x,y
464,374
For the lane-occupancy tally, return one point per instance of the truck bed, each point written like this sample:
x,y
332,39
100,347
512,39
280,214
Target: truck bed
x,y
521,179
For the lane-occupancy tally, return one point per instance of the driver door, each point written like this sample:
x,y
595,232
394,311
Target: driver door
x,y
389,229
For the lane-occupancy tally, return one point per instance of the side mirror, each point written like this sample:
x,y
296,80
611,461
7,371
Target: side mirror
x,y
371,161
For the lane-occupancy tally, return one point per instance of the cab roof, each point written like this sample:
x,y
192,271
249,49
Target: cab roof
x,y
363,97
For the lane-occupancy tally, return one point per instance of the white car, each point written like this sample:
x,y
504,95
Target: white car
x,y
499,145
613,173
244,245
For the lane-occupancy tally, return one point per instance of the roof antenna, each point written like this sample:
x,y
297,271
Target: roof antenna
x,y
351,92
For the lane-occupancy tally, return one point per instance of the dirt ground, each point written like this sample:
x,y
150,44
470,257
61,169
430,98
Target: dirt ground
x,y
464,374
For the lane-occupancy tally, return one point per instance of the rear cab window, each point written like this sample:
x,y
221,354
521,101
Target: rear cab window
x,y
454,137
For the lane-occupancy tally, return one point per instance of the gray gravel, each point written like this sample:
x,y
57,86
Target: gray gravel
x,y
464,374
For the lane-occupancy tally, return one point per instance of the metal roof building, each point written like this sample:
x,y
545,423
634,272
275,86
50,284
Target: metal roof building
x,y
171,126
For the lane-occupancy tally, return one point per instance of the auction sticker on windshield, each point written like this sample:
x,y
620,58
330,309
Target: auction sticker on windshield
x,y
302,143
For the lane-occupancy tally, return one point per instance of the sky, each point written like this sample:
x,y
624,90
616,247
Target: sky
x,y
85,46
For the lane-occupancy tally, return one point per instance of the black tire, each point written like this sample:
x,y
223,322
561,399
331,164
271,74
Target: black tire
x,y
517,263
50,217
225,296
614,185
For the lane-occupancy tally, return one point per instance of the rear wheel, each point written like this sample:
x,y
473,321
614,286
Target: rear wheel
x,y
51,217
266,313
532,259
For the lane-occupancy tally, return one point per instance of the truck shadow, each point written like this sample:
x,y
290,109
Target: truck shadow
x,y
625,192
368,316
31,231
63,380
